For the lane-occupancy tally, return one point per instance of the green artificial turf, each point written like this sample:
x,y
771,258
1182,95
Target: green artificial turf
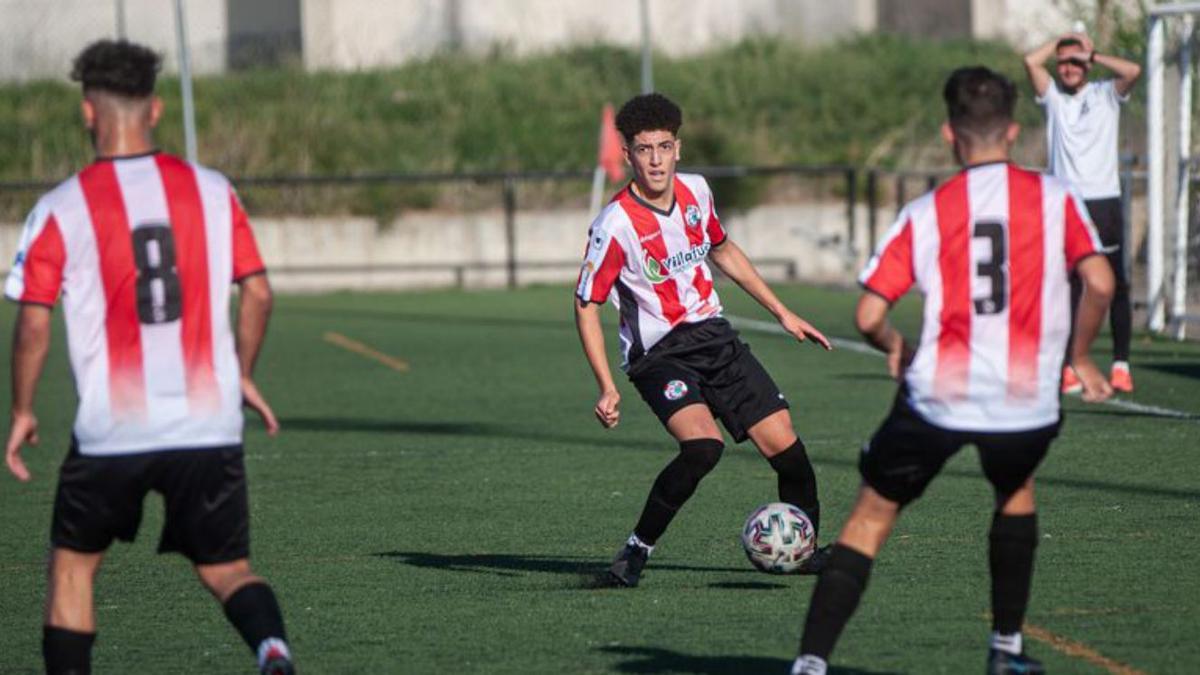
x,y
451,518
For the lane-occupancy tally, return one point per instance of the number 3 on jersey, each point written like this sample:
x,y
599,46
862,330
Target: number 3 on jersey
x,y
994,268
158,292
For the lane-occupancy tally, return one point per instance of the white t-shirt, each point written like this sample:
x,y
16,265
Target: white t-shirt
x,y
1081,137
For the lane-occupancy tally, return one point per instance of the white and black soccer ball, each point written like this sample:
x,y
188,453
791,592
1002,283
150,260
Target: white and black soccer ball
x,y
778,538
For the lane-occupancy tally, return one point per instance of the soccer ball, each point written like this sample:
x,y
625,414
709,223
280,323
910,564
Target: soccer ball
x,y
778,538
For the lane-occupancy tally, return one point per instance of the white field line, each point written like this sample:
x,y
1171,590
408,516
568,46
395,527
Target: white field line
x,y
773,328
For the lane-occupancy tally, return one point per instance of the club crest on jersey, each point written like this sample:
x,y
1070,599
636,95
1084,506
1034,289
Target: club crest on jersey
x,y
675,390
692,215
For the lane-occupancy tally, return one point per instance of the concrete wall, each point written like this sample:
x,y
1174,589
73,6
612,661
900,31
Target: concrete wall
x,y
349,34
40,38
810,237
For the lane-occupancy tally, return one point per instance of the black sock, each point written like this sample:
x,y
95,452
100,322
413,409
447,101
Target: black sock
x,y
675,484
67,652
834,600
797,482
255,614
1010,555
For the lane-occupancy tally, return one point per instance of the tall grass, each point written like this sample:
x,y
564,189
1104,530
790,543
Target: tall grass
x,y
871,100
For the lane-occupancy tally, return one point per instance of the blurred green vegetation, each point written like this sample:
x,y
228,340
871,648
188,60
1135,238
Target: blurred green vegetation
x,y
870,101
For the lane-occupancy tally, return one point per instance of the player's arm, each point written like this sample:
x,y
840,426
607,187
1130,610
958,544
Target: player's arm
x,y
591,335
732,261
871,319
1098,284
1127,71
254,312
1035,67
31,343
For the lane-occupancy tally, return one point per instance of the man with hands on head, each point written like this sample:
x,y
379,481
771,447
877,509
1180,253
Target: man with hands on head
x,y
1082,123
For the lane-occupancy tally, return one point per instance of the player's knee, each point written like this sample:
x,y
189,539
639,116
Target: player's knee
x,y
224,579
701,455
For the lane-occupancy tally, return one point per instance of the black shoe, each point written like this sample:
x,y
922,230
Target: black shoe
x,y
816,562
1003,663
627,566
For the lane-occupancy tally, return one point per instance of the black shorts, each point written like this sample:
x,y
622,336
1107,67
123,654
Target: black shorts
x,y
906,452
207,520
1108,216
707,363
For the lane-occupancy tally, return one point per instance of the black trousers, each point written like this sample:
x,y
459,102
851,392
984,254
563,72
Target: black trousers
x,y
1109,219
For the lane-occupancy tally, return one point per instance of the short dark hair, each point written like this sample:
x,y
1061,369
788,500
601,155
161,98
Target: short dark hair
x,y
118,67
648,112
979,103
1068,42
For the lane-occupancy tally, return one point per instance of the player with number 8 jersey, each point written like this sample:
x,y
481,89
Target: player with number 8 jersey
x,y
145,251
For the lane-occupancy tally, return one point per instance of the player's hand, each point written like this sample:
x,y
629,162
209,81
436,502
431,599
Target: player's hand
x,y
606,408
253,398
24,430
899,357
1095,386
1085,42
803,330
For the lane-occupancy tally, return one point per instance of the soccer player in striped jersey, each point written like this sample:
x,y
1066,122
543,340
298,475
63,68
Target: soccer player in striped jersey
x,y
648,251
991,249
144,249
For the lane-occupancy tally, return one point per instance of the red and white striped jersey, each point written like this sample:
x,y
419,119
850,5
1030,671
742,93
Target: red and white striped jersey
x,y
991,250
144,251
652,263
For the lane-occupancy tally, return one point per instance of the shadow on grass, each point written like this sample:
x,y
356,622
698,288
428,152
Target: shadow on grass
x,y
463,428
659,660
589,573
747,585
1191,370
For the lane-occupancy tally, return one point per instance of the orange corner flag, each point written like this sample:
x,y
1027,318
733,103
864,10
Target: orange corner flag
x,y
610,158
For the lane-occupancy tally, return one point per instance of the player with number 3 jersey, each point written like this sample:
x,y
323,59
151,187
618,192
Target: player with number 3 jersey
x,y
991,250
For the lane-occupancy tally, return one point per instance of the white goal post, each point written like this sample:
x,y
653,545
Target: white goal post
x,y
1179,17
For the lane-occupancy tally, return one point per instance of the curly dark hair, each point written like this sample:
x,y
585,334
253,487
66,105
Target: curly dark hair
x,y
117,66
648,112
979,102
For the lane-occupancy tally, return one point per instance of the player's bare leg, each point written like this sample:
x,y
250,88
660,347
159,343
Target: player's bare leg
x,y
776,440
251,607
70,626
1011,545
700,448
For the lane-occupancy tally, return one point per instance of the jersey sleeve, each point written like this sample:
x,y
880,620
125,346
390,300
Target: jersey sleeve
x,y
246,259
1079,234
716,232
37,271
889,273
602,264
